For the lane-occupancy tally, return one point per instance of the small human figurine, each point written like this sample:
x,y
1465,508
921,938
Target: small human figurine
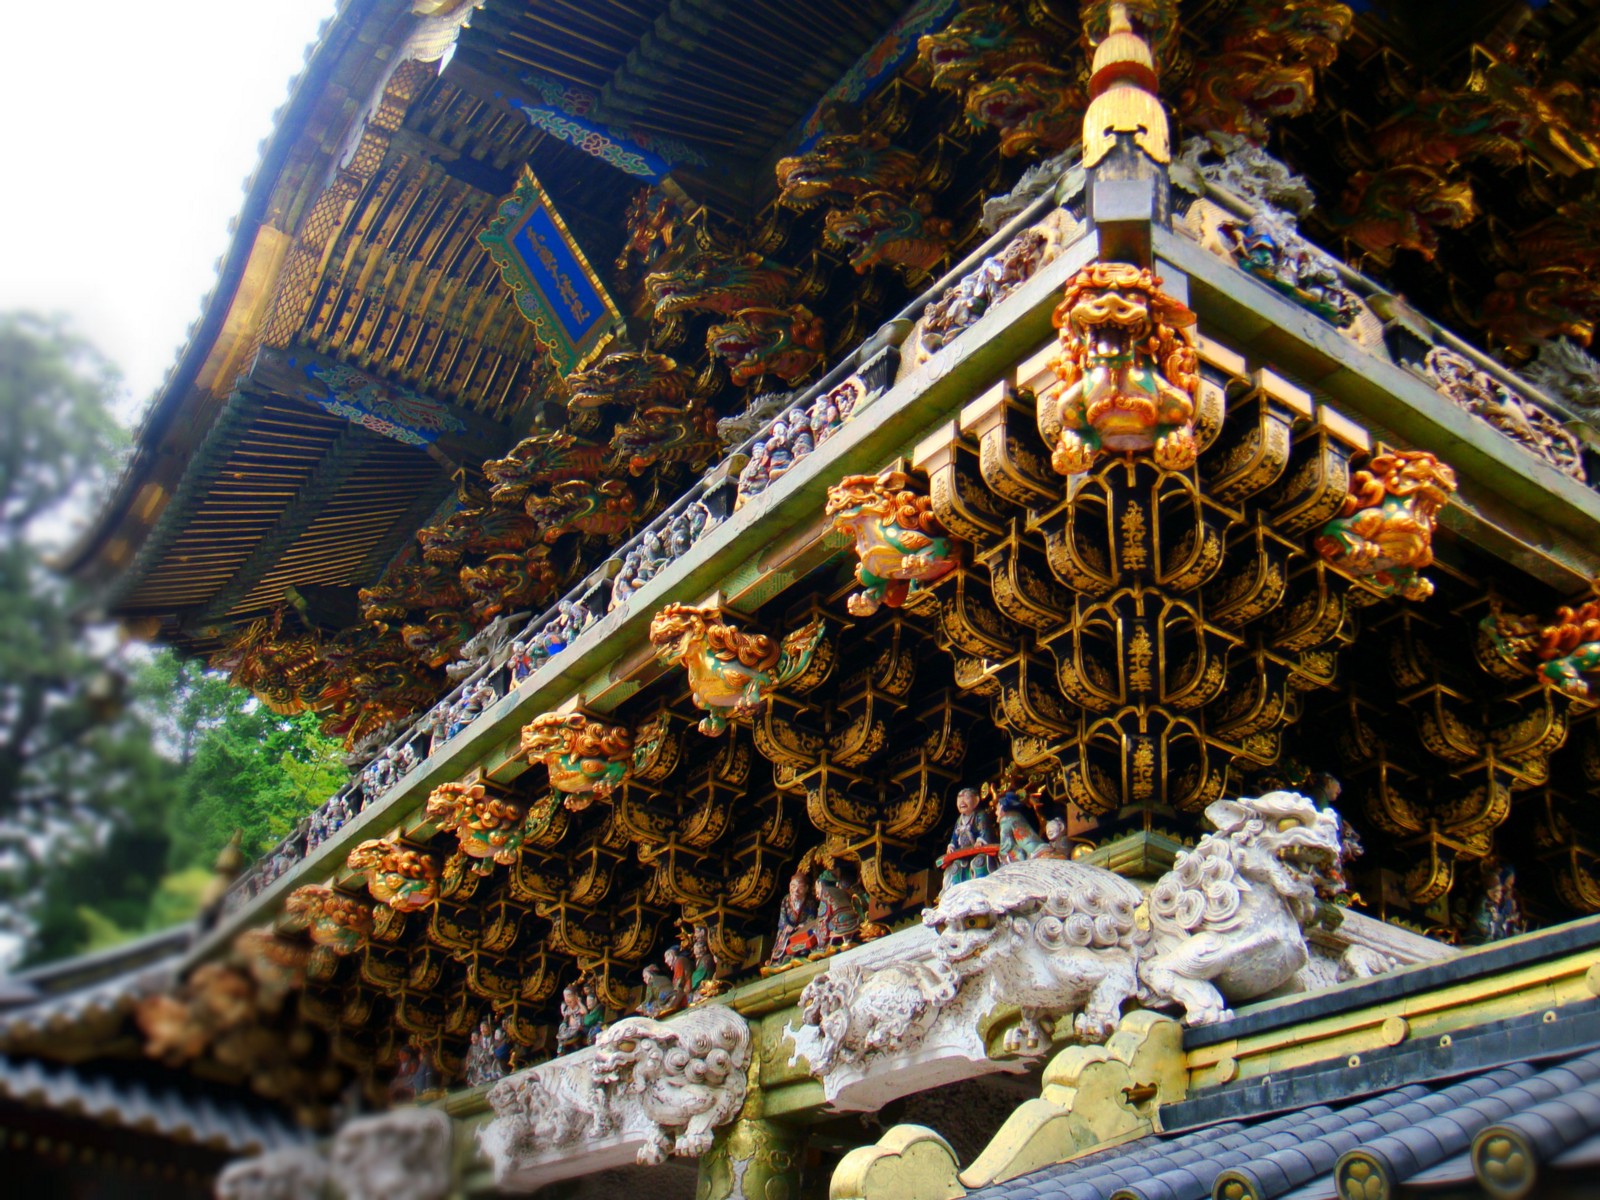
x,y
703,980
473,702
1256,245
679,963
594,1014
478,1053
452,719
500,1052
974,848
520,664
839,912
652,555
658,992
796,937
780,451
403,1087
756,474
1055,833
627,581
426,1074
570,1033
699,519
801,440
1497,915
435,724
824,416
679,538
1019,840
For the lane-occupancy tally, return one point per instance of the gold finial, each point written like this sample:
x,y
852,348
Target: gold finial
x,y
1122,95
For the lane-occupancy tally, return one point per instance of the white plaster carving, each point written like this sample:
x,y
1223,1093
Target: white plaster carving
x,y
294,1174
1566,370
1237,165
1051,936
646,1089
687,1076
891,1018
399,1155
862,1013
1228,921
1239,917
1035,182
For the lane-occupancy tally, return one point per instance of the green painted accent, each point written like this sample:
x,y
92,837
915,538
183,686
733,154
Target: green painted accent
x,y
802,1099
752,1159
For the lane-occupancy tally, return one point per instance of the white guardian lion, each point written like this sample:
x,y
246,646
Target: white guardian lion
x,y
1228,921
688,1076
1050,936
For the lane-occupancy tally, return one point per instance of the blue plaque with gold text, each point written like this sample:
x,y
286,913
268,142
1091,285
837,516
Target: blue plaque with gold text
x,y
554,286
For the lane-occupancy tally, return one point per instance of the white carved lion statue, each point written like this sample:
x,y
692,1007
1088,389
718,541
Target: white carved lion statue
x,y
861,1012
399,1155
297,1173
1228,921
547,1108
1052,937
688,1076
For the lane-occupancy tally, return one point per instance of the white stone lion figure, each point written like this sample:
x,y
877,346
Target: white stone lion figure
x,y
297,1173
549,1107
1228,921
399,1155
1052,937
688,1076
864,1011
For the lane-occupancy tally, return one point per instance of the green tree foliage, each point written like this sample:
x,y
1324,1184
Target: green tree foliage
x,y
245,768
123,771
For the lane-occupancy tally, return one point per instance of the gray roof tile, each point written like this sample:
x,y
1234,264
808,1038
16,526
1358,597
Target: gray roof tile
x,y
133,1104
1420,1131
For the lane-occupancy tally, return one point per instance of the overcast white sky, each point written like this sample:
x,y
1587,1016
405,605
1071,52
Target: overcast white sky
x,y
128,130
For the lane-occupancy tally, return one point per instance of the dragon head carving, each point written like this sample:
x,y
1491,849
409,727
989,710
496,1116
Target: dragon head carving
x,y
665,434
505,582
717,281
755,342
540,459
604,508
632,377
880,229
982,40
1033,106
843,165
406,589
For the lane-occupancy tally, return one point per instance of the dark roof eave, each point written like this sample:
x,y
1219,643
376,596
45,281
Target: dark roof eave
x,y
178,394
